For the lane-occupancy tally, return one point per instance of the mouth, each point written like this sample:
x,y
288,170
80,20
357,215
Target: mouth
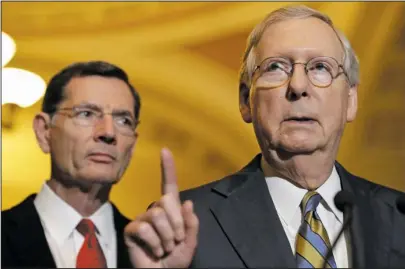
x,y
101,157
301,119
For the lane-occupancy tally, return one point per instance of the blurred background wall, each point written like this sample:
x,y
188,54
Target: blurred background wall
x,y
184,60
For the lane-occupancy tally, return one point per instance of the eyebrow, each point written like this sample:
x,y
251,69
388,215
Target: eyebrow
x,y
88,105
122,112
118,112
308,53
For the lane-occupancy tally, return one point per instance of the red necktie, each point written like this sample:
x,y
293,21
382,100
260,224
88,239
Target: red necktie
x,y
90,255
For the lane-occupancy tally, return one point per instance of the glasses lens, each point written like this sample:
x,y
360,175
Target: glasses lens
x,y
84,116
125,125
321,71
274,72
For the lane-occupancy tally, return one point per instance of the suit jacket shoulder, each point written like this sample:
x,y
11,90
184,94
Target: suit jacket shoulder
x,y
361,186
239,225
23,238
24,243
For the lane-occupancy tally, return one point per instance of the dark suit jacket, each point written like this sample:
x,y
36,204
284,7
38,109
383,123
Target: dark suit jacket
x,y
23,241
239,225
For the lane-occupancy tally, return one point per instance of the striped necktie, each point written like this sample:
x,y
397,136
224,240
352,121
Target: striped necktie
x,y
312,242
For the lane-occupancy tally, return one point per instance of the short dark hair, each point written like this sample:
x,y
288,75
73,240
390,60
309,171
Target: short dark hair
x,y
55,92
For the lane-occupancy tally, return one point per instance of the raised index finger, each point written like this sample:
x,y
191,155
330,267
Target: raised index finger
x,y
169,179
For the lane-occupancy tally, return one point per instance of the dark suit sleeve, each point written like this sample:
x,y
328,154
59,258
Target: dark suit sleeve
x,y
393,224
7,259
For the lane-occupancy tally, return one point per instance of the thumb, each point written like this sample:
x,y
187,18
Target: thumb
x,y
191,224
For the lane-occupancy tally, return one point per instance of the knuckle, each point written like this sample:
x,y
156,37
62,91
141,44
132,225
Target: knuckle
x,y
166,199
143,228
156,212
130,225
142,217
168,235
177,223
155,244
130,228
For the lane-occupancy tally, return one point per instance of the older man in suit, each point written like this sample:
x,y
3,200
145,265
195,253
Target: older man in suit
x,y
88,126
298,86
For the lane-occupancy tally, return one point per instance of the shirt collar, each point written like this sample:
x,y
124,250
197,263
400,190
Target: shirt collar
x,y
103,219
328,191
287,197
60,219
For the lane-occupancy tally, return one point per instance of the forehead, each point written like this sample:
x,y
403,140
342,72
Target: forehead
x,y
300,39
108,93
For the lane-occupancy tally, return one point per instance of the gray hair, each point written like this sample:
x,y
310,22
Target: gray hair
x,y
350,63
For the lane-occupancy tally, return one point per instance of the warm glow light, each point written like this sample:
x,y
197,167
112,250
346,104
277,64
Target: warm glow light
x,y
8,48
21,87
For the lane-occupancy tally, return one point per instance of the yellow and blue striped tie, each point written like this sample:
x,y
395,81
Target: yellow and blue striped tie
x,y
312,242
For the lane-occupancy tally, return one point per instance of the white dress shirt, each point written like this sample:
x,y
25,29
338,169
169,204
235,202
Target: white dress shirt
x,y
287,199
59,221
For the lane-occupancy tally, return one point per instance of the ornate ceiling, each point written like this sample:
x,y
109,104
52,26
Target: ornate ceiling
x,y
184,60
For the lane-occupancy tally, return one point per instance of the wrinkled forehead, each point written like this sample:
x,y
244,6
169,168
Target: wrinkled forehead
x,y
300,40
106,93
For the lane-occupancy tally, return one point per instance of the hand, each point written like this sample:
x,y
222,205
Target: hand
x,y
166,234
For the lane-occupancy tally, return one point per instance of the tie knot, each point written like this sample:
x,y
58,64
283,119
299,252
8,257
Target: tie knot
x,y
86,227
310,202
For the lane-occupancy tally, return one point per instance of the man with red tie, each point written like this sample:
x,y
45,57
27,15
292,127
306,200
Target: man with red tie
x,y
88,126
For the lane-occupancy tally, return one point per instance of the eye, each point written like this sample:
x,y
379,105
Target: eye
x,y
126,121
320,66
275,66
84,113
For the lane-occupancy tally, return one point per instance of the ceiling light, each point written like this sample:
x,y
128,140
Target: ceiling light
x,y
8,48
21,87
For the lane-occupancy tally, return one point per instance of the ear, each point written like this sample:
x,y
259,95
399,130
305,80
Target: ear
x,y
352,104
41,126
244,103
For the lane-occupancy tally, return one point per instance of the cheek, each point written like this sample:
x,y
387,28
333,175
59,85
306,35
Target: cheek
x,y
61,150
267,111
68,150
127,151
334,107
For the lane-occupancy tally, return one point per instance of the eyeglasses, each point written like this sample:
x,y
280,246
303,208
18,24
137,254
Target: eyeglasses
x,y
275,72
86,116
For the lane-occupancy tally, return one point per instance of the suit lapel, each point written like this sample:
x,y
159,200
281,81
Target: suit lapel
x,y
31,246
369,231
28,233
123,260
249,218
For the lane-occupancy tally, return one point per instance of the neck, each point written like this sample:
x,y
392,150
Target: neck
x,y
308,171
84,198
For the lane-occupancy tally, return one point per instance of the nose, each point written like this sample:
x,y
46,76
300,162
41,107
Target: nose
x,y
298,86
105,130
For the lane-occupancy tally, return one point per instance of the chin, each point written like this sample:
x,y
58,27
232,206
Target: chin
x,y
298,149
99,179
105,176
297,146
299,140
